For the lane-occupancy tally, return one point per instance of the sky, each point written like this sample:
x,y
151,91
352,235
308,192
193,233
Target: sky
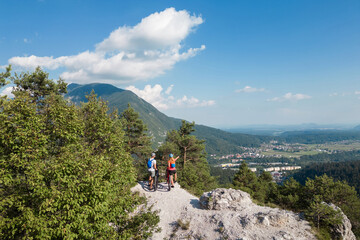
x,y
223,64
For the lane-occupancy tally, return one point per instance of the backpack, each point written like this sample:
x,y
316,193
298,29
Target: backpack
x,y
149,163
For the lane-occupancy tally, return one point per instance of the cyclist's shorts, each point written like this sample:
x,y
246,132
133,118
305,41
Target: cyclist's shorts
x,y
151,172
172,172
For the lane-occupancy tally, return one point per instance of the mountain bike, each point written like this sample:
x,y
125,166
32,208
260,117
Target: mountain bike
x,y
156,179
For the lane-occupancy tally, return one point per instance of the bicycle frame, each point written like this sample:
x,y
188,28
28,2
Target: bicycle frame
x,y
156,179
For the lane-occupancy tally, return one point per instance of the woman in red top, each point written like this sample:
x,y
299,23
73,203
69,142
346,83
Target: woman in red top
x,y
171,167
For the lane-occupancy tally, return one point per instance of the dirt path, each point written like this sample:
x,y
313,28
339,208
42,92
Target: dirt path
x,y
170,203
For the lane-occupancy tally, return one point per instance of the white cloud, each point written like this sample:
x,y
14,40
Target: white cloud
x,y
169,89
249,89
157,31
290,97
129,54
157,98
357,92
193,102
7,91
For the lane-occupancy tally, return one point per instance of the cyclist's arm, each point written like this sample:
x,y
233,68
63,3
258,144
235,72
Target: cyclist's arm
x,y
176,158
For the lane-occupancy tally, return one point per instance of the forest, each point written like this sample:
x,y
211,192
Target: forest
x,y
318,136
327,157
67,170
341,171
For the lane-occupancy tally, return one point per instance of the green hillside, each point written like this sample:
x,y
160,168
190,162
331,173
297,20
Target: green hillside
x,y
217,141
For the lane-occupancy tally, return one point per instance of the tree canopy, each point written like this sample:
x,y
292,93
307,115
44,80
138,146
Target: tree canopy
x,y
64,170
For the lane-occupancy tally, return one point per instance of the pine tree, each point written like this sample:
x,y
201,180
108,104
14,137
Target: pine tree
x,y
245,179
138,143
338,193
260,188
291,195
322,214
192,167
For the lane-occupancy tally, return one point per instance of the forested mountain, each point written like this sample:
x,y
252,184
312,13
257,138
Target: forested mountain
x,y
221,141
319,136
217,141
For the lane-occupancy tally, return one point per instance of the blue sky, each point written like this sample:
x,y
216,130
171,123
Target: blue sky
x,y
218,63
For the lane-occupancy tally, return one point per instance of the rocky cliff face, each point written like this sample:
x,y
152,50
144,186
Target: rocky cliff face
x,y
343,230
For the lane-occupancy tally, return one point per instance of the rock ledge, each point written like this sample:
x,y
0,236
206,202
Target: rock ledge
x,y
231,214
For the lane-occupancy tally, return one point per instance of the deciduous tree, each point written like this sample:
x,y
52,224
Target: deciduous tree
x,y
64,172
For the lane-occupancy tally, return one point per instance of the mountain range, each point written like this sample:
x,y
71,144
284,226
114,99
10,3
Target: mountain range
x,y
217,141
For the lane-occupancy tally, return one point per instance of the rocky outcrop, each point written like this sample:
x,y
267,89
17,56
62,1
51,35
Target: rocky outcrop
x,y
231,214
220,214
225,199
343,230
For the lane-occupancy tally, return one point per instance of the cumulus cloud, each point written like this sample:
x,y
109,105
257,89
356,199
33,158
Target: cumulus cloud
x,y
290,97
7,91
157,31
249,89
163,101
129,54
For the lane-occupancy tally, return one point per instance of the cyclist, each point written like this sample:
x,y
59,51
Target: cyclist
x,y
171,168
151,169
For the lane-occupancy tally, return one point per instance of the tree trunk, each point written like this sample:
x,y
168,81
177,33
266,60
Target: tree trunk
x,y
184,157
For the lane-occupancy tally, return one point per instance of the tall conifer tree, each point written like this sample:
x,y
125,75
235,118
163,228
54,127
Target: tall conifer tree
x,y
192,167
138,143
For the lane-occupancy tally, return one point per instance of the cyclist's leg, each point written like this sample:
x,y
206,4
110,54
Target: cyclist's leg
x,y
152,175
167,176
172,179
169,181
149,178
